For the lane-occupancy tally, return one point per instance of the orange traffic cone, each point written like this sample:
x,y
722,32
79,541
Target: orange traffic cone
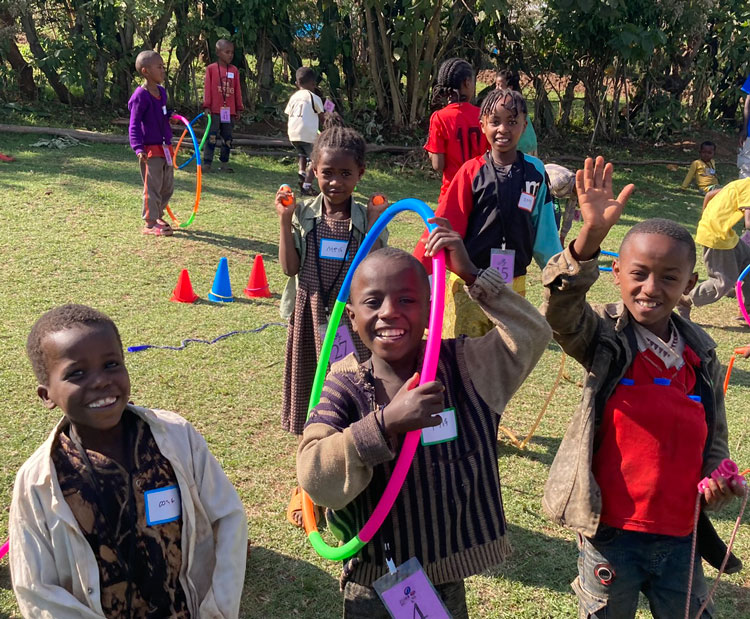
x,y
183,291
257,286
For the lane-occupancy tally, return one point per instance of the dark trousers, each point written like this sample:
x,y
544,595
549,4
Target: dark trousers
x,y
218,129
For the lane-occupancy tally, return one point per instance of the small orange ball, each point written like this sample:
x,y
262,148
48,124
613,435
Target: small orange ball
x,y
286,200
378,200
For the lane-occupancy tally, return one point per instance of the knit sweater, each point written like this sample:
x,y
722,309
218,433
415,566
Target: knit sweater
x,y
449,512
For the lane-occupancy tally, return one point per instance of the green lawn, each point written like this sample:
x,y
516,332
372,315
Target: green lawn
x,y
71,233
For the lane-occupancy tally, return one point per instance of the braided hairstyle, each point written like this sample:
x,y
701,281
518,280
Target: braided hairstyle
x,y
453,72
511,100
340,138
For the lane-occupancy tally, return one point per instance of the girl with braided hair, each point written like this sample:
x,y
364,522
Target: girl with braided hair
x,y
500,203
455,135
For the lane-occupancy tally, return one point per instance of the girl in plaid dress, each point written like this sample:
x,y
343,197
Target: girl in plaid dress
x,y
317,242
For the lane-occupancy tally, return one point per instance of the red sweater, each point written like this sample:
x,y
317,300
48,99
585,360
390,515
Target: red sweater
x,y
222,89
649,448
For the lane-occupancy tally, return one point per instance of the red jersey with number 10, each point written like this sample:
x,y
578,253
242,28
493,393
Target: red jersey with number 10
x,y
455,132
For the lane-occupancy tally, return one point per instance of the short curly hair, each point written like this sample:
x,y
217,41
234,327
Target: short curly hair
x,y
664,227
340,138
394,254
59,319
145,58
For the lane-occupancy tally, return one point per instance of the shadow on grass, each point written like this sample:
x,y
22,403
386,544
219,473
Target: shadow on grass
x,y
549,443
5,583
539,561
229,241
278,585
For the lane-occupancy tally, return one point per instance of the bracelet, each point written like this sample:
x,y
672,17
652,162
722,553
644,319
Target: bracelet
x,y
381,421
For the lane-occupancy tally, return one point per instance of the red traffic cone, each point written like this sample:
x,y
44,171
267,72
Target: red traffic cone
x,y
183,291
257,286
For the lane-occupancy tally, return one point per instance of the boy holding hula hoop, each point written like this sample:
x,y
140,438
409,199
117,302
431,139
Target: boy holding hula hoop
x,y
449,513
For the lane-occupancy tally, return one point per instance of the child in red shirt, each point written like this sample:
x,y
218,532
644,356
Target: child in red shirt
x,y
651,422
222,98
455,135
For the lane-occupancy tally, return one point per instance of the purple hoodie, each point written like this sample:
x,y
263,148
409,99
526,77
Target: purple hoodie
x,y
149,119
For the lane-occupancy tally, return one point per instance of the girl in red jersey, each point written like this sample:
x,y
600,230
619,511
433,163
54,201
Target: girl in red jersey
x,y
455,135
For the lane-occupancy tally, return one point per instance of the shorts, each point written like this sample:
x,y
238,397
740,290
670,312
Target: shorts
x,y
304,149
462,315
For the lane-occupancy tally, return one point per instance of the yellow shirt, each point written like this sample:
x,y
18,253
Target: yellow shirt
x,y
721,215
705,175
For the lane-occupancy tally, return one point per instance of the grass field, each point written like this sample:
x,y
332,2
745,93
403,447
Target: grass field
x,y
71,233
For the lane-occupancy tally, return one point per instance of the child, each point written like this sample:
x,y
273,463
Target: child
x,y
723,254
151,139
703,169
123,511
455,136
318,240
651,422
449,513
506,78
222,98
304,110
499,200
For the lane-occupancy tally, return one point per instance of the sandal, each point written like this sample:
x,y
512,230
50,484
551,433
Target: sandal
x,y
295,507
158,230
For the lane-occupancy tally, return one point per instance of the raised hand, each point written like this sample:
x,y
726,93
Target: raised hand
x,y
456,257
414,407
600,210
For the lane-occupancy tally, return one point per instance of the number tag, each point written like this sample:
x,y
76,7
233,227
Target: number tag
x,y
710,171
343,344
224,115
167,154
526,201
230,75
329,106
162,505
407,593
446,431
332,249
164,110
502,260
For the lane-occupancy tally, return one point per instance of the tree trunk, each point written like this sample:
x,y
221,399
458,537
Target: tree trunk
x,y
393,83
24,72
372,53
29,28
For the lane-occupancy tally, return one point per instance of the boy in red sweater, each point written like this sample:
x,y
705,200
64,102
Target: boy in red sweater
x,y
222,98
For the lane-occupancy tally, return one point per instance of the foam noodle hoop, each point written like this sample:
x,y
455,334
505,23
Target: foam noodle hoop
x,y
740,298
200,146
429,369
198,177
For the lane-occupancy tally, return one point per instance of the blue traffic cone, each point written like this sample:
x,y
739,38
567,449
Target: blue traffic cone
x,y
221,291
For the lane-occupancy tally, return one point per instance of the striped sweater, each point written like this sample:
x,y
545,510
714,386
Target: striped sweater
x,y
449,513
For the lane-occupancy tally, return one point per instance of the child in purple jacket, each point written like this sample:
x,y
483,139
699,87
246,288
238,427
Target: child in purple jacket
x,y
151,139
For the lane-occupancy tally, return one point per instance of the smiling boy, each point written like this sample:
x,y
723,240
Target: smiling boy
x,y
123,511
651,422
449,513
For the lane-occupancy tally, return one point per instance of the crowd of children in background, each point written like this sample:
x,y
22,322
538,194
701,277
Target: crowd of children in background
x,y
123,511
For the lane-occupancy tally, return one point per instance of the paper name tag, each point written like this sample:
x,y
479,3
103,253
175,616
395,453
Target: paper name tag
x,y
407,593
329,106
710,171
224,115
230,75
164,109
503,260
342,346
332,249
526,201
446,431
162,505
167,154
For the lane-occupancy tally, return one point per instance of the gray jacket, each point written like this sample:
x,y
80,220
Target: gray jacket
x,y
602,340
